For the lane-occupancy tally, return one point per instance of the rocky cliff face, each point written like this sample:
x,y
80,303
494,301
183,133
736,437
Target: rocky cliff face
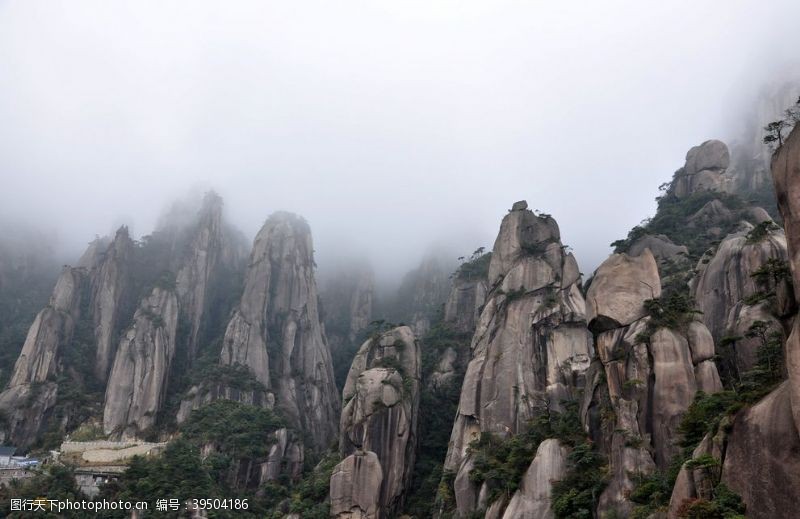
x,y
141,366
466,299
786,176
740,284
276,330
110,284
704,169
422,293
31,392
531,347
214,253
348,297
379,419
533,499
646,377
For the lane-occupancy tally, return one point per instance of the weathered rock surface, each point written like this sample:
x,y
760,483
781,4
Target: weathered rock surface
x,y
51,329
381,398
355,487
464,305
532,500
660,246
31,392
698,482
110,284
423,291
762,459
786,176
651,377
729,294
276,330
214,252
619,288
704,169
531,346
141,366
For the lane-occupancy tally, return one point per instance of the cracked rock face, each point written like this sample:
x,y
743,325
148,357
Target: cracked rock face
x,y
531,345
276,330
379,418
141,367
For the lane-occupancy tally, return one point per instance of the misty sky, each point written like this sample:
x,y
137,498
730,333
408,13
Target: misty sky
x,y
389,125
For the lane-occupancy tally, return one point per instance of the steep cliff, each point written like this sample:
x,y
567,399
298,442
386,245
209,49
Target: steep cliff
x,y
379,419
31,392
110,285
743,281
653,357
422,292
531,347
276,330
204,272
468,293
141,366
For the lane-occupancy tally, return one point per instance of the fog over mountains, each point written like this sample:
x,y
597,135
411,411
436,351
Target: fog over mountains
x,y
389,128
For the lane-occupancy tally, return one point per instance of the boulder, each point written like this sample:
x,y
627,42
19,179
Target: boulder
x,y
619,288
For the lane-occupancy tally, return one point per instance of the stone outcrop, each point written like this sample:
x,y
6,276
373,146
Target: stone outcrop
x,y
110,284
381,398
619,289
660,246
356,487
532,500
651,375
214,253
141,366
31,391
531,347
786,176
276,330
726,290
465,302
762,458
704,169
